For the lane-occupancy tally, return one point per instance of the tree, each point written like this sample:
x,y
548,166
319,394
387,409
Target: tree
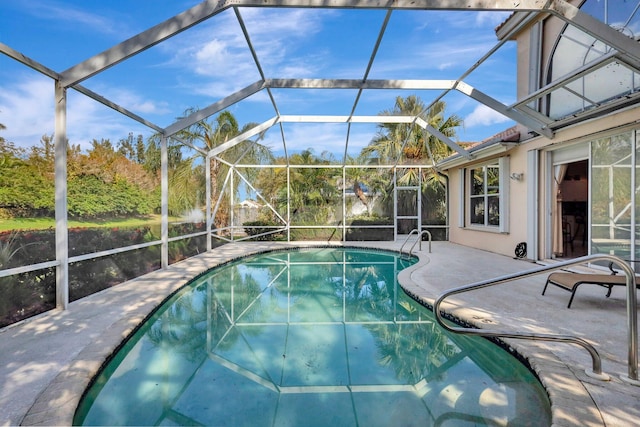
x,y
374,180
183,176
312,194
211,134
26,185
409,143
105,182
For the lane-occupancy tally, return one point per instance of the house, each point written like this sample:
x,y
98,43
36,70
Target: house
x,y
571,191
245,211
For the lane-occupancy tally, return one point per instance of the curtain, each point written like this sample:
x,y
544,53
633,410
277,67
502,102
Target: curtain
x,y
559,172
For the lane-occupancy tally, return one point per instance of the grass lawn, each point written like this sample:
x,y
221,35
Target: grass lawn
x,y
44,223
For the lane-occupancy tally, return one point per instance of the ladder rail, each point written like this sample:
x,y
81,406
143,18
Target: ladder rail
x,y
596,371
420,234
420,241
414,231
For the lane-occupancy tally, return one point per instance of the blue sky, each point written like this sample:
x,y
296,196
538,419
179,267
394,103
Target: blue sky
x,y
210,61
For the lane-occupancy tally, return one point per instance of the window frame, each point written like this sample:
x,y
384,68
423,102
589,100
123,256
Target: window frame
x,y
497,189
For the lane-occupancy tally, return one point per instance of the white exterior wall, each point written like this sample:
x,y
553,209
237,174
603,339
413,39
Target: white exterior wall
x,y
519,215
505,243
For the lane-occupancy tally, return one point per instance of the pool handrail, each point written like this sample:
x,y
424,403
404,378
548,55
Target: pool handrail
x,y
412,232
420,241
596,372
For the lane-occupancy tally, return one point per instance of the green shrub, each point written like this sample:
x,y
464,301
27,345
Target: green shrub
x,y
27,294
355,234
254,228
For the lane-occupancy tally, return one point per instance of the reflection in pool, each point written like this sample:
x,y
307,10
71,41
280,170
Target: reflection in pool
x,y
318,337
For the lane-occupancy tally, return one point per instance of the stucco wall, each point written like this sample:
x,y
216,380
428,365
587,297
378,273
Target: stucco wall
x,y
519,215
487,239
504,243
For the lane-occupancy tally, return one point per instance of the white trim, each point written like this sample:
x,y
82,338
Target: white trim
x,y
164,202
572,153
533,204
462,198
548,206
566,154
503,194
29,268
478,154
503,167
535,59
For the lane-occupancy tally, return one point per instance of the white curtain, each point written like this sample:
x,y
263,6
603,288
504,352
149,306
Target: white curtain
x,y
559,172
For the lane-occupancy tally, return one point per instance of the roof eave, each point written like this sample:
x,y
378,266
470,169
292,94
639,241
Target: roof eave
x,y
515,23
482,151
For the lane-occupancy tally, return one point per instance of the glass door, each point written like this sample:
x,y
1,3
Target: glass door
x,y
613,195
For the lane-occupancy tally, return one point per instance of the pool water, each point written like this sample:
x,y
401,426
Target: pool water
x,y
317,337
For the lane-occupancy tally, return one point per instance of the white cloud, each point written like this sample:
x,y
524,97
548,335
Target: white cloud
x,y
445,65
88,120
27,111
446,20
218,54
452,52
69,15
212,59
135,102
442,41
484,116
211,53
320,137
276,34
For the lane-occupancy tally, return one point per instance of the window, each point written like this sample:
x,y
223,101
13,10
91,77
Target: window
x,y
487,195
575,48
484,200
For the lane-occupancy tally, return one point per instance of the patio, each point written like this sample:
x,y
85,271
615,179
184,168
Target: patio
x,y
47,361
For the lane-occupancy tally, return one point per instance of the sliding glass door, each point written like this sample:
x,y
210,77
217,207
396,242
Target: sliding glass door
x,y
614,195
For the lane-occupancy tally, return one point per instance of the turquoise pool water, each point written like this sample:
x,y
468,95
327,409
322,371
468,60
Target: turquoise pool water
x,y
317,337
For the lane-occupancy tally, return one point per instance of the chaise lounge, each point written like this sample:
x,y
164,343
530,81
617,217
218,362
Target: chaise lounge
x,y
570,281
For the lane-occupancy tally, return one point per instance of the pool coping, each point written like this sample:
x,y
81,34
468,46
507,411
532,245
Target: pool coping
x,y
571,402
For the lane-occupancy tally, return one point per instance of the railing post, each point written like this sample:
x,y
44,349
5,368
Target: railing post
x,y
61,208
632,327
207,166
164,202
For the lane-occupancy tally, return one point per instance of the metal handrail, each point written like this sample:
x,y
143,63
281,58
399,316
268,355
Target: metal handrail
x,y
414,231
632,315
420,241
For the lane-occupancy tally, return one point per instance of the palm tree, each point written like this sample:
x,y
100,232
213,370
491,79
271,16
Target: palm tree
x,y
183,176
373,179
313,190
211,134
409,143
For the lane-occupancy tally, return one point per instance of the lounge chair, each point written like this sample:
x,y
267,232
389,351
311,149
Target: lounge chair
x,y
571,281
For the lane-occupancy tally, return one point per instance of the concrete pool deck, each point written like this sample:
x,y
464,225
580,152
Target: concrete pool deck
x,y
47,361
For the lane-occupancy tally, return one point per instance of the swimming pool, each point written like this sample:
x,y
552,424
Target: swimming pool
x,y
308,337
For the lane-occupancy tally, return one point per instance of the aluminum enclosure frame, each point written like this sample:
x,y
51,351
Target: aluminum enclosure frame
x,y
624,49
